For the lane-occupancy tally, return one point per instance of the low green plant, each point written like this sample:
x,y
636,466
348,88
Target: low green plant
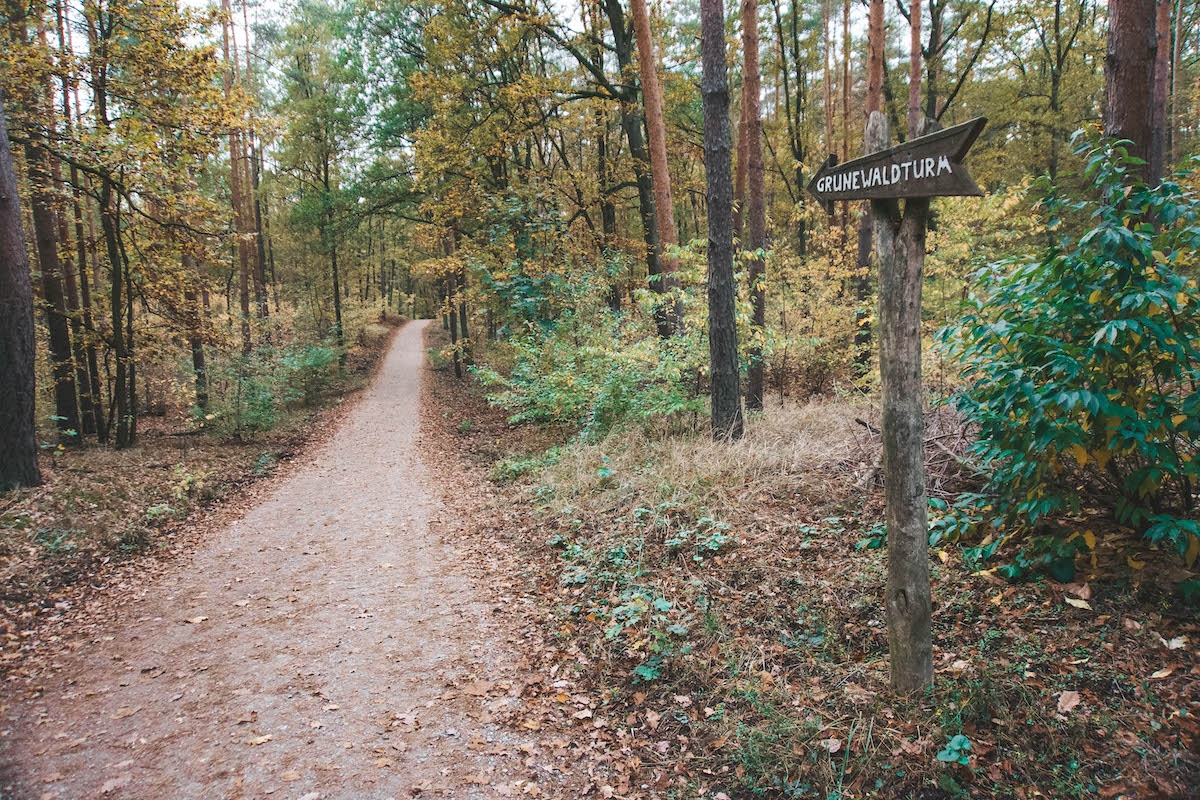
x,y
956,751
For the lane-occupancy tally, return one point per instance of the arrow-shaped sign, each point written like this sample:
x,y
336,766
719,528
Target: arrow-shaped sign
x,y
928,166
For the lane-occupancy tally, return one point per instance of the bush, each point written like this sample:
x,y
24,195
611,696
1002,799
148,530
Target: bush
x,y
249,394
594,376
1083,367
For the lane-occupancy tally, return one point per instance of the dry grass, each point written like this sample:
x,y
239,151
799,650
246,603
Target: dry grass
x,y
804,452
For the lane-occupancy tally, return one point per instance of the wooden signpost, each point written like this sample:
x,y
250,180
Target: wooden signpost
x,y
926,166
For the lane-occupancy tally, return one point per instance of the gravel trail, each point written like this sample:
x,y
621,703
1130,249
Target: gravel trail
x,y
325,645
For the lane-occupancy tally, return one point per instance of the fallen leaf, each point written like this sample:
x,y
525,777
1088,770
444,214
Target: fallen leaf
x,y
1163,673
832,745
1082,591
478,688
1067,701
1078,603
479,779
113,784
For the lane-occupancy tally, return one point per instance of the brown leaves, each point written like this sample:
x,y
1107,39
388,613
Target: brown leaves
x,y
126,711
1067,701
112,784
478,688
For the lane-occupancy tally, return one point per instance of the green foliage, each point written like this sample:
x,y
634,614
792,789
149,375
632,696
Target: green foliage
x,y
513,468
251,393
595,376
1081,369
957,750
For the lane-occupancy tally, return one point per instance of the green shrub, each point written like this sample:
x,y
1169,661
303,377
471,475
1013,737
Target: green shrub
x,y
1082,369
251,394
594,376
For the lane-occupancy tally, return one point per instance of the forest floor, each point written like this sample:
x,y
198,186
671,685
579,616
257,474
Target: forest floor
x,y
332,636
722,601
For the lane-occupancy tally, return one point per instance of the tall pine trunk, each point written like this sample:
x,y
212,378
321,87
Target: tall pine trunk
x,y
237,188
874,102
664,205
756,210
1162,77
722,312
18,434
631,125
46,238
1129,76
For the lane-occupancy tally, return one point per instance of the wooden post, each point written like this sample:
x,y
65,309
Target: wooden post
x,y
900,248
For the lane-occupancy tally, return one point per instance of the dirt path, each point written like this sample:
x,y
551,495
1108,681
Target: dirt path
x,y
326,645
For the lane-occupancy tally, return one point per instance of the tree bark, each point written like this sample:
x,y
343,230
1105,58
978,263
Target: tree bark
x,y
46,233
722,311
743,157
874,102
914,68
237,187
652,100
900,246
1162,77
756,212
1173,130
195,317
631,124
1129,76
18,434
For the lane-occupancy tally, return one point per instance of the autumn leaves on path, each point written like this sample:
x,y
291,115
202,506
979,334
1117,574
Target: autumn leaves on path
x,y
325,645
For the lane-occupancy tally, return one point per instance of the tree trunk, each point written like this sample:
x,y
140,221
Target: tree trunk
x,y
743,157
900,246
195,317
237,187
260,261
87,417
119,400
1173,130
756,211
914,67
451,278
1162,77
874,102
1129,76
827,83
462,313
722,311
652,99
631,124
45,232
18,434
